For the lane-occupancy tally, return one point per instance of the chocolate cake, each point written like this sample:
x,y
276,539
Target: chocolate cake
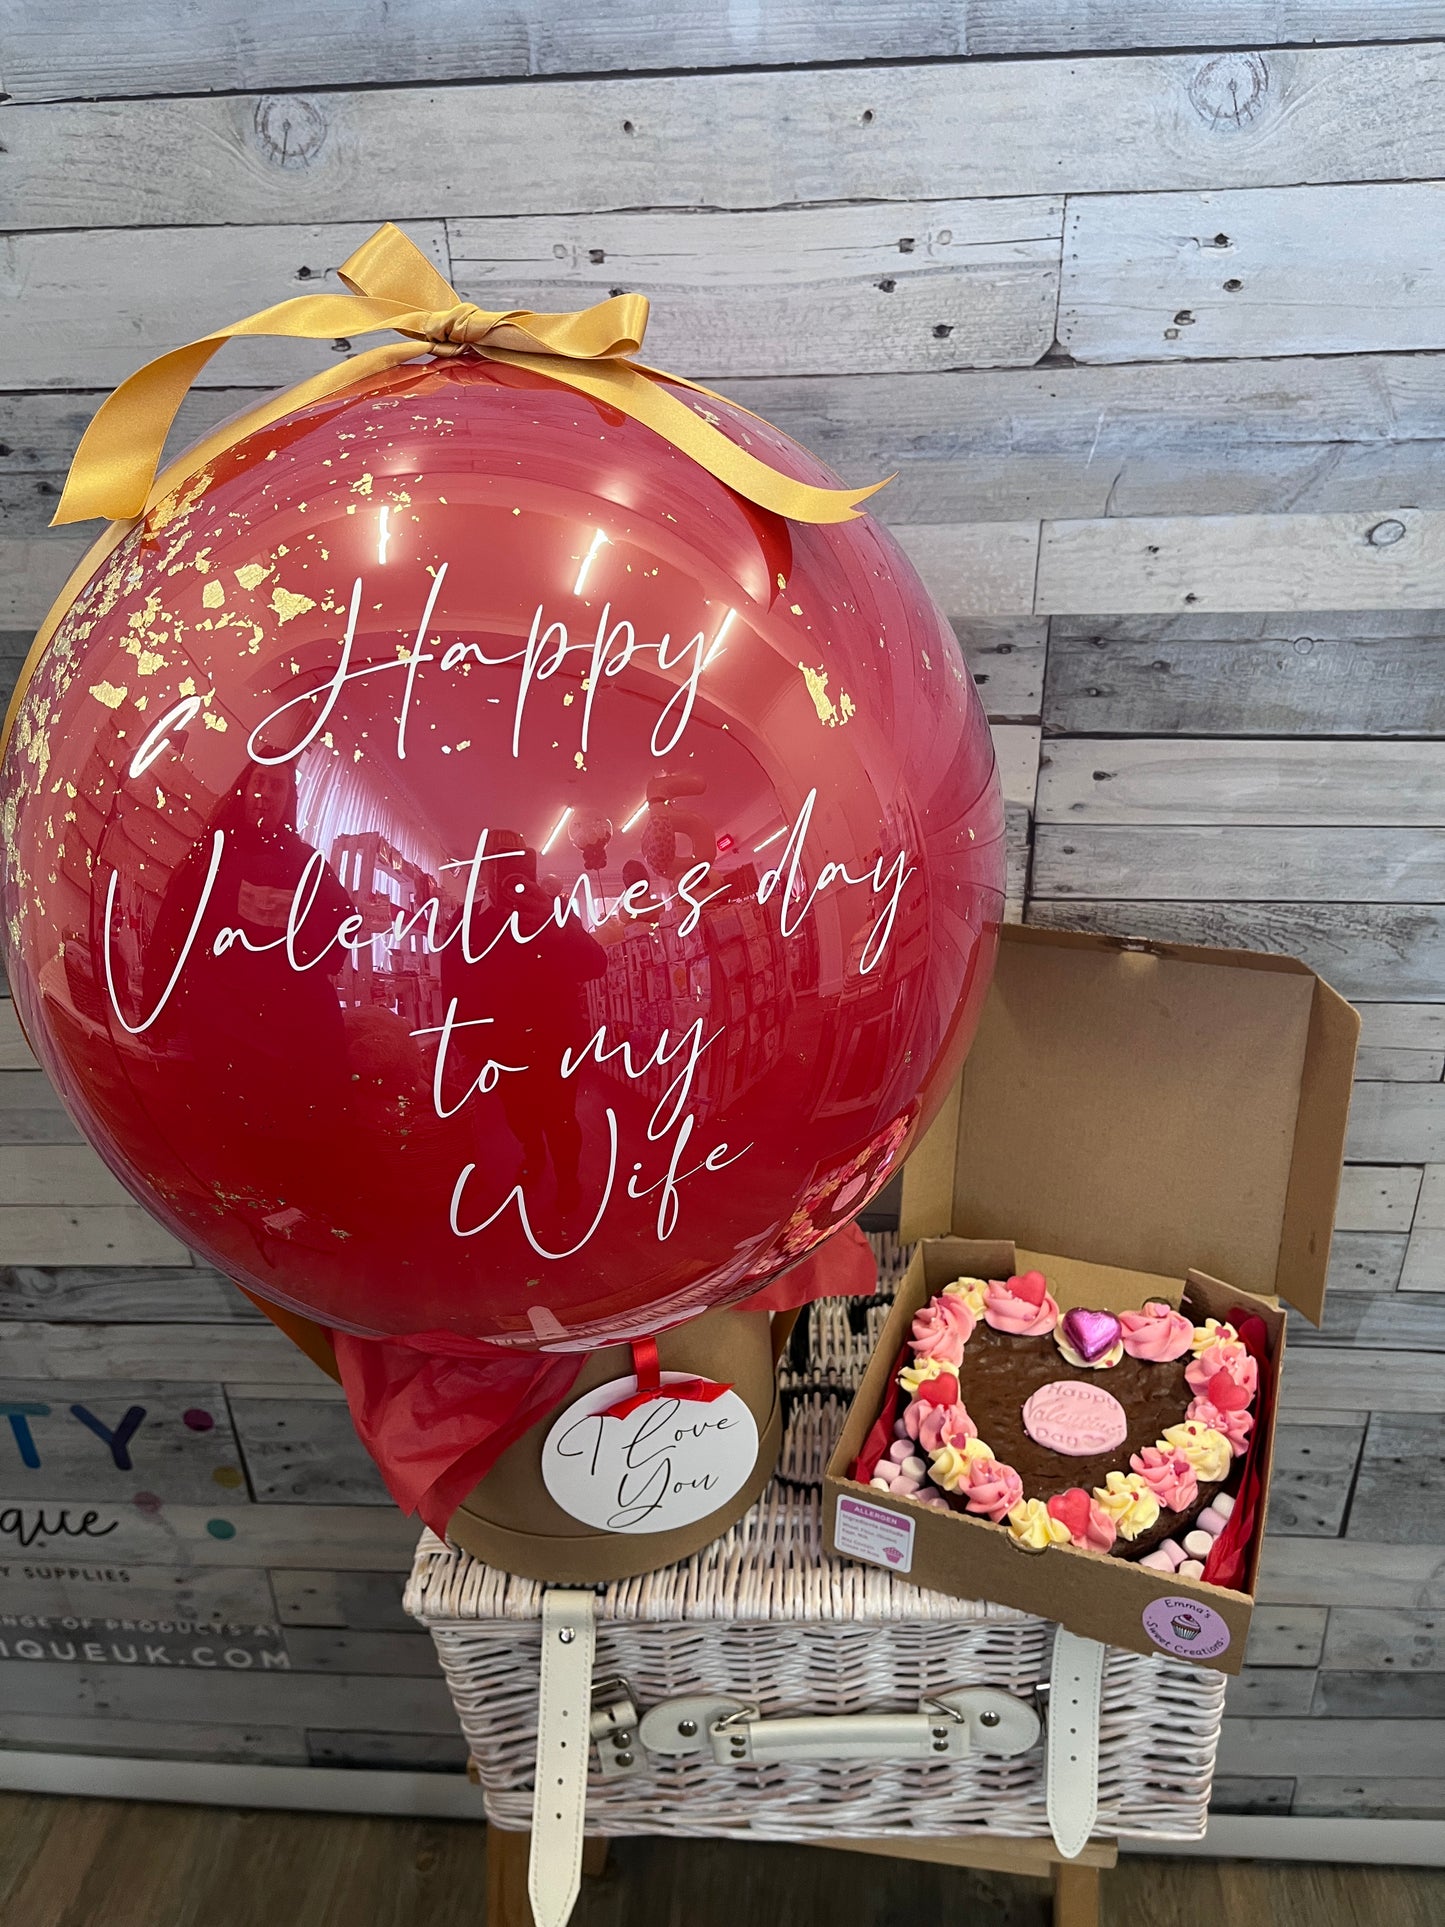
x,y
1116,1433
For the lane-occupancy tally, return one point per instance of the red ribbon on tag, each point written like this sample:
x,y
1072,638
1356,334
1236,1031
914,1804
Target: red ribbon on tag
x,y
646,1370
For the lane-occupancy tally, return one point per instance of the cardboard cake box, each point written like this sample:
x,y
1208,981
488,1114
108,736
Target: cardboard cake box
x,y
1135,1119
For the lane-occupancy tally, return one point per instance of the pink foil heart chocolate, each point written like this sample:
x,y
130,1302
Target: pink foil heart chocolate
x,y
1090,1333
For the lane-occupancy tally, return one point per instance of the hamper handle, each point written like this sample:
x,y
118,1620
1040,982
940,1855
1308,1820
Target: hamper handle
x,y
949,1727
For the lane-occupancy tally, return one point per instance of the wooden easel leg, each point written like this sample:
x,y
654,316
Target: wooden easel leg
x,y
1076,1895
594,1855
507,1902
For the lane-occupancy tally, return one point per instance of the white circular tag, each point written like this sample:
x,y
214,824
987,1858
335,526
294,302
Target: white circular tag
x,y
668,1463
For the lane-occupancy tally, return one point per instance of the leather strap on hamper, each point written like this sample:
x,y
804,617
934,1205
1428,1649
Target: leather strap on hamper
x,y
554,1870
1072,1759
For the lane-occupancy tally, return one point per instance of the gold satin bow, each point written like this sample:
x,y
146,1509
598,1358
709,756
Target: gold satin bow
x,y
394,286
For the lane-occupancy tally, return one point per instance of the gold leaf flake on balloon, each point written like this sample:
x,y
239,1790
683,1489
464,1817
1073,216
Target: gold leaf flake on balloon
x,y
213,596
179,502
109,693
288,604
252,575
828,712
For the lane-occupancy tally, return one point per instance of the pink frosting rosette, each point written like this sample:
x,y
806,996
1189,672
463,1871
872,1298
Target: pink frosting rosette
x,y
935,1426
1089,1526
1157,1333
941,1330
1168,1475
1100,1533
1227,1356
991,1488
1236,1426
1021,1306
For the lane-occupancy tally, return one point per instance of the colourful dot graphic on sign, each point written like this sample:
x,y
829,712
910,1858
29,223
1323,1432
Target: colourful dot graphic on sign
x,y
228,1475
197,1419
146,1502
220,1528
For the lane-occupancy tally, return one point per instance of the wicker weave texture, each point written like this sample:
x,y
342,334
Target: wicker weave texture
x,y
765,1615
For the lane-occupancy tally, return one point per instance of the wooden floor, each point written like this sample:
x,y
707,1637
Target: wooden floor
x,y
110,1863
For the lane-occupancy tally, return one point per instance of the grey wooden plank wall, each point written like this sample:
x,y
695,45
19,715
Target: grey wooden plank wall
x,y
1154,341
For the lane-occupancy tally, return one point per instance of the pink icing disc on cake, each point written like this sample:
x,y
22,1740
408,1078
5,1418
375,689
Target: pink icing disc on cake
x,y
1074,1418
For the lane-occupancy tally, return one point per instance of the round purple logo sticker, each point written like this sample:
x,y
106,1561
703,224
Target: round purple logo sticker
x,y
1184,1626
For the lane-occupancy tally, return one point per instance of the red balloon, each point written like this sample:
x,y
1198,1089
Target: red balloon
x,y
470,870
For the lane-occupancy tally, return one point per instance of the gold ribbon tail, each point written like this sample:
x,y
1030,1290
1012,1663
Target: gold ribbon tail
x,y
637,393
114,468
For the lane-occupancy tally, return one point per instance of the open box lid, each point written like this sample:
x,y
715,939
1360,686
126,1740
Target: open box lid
x,y
1157,1107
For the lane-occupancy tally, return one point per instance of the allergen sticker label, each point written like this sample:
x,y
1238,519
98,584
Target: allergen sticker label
x,y
870,1532
1185,1626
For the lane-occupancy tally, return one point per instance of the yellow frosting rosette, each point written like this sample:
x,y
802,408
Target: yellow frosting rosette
x,y
972,1291
920,1371
1208,1451
1031,1524
950,1463
1212,1332
1128,1502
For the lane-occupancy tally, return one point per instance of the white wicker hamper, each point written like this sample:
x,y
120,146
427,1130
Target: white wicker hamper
x,y
766,1616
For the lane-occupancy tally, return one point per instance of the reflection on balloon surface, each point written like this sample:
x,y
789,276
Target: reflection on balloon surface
x,y
468,870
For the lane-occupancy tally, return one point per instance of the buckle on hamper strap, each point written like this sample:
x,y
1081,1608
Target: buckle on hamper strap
x,y
948,1726
613,1727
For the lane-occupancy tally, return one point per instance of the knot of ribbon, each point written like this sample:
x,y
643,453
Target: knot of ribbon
x,y
451,330
646,1369
394,287
611,330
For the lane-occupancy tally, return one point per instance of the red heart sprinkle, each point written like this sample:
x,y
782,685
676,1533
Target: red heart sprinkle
x,y
1226,1394
1071,1508
942,1390
1031,1286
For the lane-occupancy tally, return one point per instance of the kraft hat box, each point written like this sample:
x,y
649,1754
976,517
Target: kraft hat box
x,y
1134,1117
